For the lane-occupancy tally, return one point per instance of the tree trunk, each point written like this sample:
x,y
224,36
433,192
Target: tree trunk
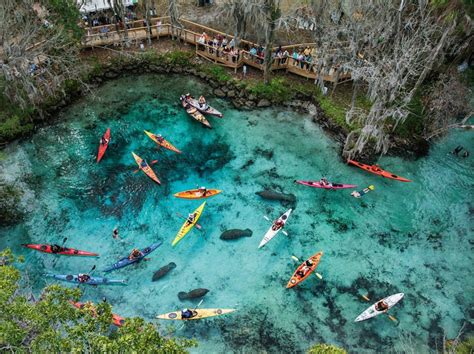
x,y
272,11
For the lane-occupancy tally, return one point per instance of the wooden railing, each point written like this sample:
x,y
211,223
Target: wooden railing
x,y
137,32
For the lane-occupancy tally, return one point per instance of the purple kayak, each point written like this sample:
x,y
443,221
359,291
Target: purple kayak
x,y
317,184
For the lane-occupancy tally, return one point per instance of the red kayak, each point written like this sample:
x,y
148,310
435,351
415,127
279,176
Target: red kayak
x,y
317,184
116,319
375,169
60,250
103,146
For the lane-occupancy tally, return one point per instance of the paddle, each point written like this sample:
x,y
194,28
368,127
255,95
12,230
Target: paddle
x,y
56,260
199,227
268,219
315,273
200,302
151,163
366,298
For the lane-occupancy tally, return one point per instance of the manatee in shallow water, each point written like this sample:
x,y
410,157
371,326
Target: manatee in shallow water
x,y
193,294
272,195
163,271
234,234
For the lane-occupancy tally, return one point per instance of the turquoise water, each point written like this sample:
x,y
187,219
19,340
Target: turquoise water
x,y
414,238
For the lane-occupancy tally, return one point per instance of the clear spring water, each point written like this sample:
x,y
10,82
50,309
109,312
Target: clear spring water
x,y
414,238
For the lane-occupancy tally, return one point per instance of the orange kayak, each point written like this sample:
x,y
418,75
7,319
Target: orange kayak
x,y
164,143
375,169
145,168
197,194
303,271
103,147
116,319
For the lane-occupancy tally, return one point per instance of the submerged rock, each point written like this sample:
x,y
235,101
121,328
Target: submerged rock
x,y
193,294
163,271
234,234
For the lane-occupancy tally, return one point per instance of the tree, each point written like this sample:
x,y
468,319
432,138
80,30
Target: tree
x,y
38,51
120,19
272,12
174,16
51,324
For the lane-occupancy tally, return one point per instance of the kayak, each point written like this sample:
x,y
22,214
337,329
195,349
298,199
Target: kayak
x,y
125,261
206,109
92,281
317,184
116,319
375,169
363,192
391,301
197,194
296,279
103,147
201,313
271,233
164,143
64,250
193,112
188,226
147,169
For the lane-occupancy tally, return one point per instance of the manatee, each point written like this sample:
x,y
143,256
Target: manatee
x,y
163,271
193,294
282,197
234,234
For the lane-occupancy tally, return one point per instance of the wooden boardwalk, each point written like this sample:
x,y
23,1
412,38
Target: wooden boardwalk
x,y
190,33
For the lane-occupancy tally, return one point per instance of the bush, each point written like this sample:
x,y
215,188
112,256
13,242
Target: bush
x,y
13,127
178,57
278,90
217,72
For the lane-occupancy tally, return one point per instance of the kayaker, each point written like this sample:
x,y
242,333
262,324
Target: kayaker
x,y
325,182
203,191
381,306
143,164
191,218
104,141
202,102
159,138
307,267
376,168
278,224
115,233
56,249
466,153
187,314
136,253
83,278
457,150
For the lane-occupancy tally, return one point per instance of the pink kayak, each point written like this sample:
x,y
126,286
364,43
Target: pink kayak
x,y
316,184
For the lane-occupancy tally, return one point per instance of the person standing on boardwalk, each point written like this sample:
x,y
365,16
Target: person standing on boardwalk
x,y
244,71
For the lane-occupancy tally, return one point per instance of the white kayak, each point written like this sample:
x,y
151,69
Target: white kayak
x,y
272,232
391,301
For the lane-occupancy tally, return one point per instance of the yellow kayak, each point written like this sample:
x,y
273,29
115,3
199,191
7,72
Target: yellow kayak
x,y
145,167
187,226
197,314
164,143
197,194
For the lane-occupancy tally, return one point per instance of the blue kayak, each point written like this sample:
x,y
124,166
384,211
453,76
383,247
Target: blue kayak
x,y
91,281
125,261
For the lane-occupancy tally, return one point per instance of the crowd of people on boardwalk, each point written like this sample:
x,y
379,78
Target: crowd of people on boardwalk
x,y
220,46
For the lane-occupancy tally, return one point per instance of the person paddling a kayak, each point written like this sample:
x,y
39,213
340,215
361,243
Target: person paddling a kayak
x,y
136,253
203,191
187,314
278,224
381,306
104,141
325,182
83,278
376,168
191,218
202,102
307,267
159,138
143,164
56,248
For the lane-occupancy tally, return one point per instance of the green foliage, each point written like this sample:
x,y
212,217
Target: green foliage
x,y
465,347
413,125
10,211
178,57
217,72
334,111
52,325
13,127
277,90
66,13
326,349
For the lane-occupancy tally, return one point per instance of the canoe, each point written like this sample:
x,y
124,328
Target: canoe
x,y
187,226
126,262
197,194
296,279
317,184
359,194
147,169
201,313
164,143
64,250
92,281
116,319
375,169
193,112
103,147
391,301
271,233
206,109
